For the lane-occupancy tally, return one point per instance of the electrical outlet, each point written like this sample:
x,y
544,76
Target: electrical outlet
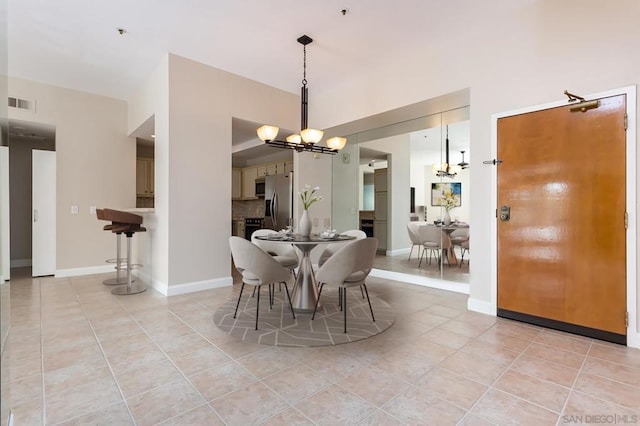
x,y
92,209
74,209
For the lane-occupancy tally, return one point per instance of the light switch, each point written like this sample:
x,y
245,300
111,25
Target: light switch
x,y
92,209
74,209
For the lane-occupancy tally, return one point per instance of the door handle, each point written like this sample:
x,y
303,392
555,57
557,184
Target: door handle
x,y
35,215
505,213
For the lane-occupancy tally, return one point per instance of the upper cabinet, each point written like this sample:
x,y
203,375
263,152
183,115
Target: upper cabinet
x,y
249,175
236,184
144,177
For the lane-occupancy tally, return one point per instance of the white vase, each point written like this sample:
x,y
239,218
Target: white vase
x,y
446,219
304,225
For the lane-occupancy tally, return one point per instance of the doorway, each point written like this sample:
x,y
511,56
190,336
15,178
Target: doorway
x,y
562,218
23,138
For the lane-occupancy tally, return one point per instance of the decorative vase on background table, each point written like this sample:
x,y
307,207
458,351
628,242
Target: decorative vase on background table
x,y
446,218
304,226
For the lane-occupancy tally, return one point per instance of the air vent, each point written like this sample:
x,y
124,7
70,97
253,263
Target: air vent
x,y
22,104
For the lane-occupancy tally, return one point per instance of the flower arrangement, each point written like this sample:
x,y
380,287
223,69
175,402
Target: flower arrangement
x,y
308,196
449,202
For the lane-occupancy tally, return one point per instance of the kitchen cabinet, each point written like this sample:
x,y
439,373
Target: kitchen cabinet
x,y
288,167
380,223
236,184
272,169
261,170
249,175
144,177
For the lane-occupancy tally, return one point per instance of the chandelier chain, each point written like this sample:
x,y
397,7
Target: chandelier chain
x,y
304,65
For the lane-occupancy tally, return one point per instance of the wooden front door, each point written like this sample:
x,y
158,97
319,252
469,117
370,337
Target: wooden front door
x,y
562,252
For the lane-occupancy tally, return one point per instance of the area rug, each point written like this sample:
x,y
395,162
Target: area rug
x,y
277,327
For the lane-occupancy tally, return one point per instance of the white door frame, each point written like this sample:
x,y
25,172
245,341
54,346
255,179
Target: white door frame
x,y
5,257
633,334
43,214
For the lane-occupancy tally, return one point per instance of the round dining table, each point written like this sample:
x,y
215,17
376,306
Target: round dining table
x,y
305,289
450,253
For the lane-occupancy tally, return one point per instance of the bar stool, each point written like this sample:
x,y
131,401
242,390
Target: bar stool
x,y
118,260
128,224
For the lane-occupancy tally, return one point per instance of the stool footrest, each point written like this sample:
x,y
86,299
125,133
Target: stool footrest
x,y
116,281
129,289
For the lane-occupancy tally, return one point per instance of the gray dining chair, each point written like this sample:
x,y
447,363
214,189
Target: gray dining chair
x,y
284,254
332,248
348,267
434,241
258,268
458,237
414,236
464,249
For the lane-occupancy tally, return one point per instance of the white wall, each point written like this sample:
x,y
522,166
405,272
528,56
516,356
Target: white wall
x,y
529,58
193,163
95,167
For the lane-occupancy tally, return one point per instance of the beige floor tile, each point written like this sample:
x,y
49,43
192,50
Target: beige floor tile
x,y
203,415
290,417
335,405
446,338
28,413
542,369
221,379
25,389
564,341
136,359
619,354
517,329
532,389
473,420
405,367
582,405
498,338
452,388
62,356
504,409
200,360
374,385
553,354
490,352
184,344
165,402
146,377
612,371
252,404
116,414
297,383
468,329
381,418
616,392
268,361
419,406
443,311
474,368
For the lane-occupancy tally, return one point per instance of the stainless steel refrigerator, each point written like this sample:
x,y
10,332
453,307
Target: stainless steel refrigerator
x,y
278,199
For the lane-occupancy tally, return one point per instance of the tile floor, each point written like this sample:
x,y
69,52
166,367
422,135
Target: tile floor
x,y
78,355
401,263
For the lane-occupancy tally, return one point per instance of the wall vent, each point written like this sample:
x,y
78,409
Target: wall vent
x,y
22,104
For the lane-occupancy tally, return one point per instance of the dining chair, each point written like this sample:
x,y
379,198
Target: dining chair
x,y
434,242
258,268
464,248
284,254
414,236
459,236
332,248
349,267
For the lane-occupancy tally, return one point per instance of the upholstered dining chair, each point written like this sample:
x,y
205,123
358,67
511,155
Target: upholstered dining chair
x,y
258,268
349,267
332,248
284,254
464,249
458,237
414,236
434,242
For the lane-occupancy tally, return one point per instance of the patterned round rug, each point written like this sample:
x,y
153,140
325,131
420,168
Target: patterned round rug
x,y
277,327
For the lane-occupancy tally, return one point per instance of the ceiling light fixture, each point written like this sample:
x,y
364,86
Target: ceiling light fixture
x,y
446,169
463,164
308,138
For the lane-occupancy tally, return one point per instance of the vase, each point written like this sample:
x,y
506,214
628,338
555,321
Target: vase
x,y
304,225
446,219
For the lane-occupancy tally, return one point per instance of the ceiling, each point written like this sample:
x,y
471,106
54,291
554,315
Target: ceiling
x,y
76,43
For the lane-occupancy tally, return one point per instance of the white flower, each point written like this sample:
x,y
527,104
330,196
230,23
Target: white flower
x,y
308,196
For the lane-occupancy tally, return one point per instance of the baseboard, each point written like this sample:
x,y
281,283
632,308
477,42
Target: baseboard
x,y
87,270
398,251
19,263
185,288
477,305
423,281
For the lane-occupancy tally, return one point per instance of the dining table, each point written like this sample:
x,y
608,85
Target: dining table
x,y
448,229
305,289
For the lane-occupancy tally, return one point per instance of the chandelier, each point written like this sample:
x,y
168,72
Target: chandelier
x,y
308,138
446,169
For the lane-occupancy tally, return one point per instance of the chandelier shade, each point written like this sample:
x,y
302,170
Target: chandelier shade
x,y
308,138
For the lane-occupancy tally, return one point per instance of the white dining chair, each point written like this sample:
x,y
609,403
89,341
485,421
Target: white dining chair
x,y
435,242
414,236
348,267
332,248
258,268
284,254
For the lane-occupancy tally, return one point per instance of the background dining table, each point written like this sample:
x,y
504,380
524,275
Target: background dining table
x,y
450,253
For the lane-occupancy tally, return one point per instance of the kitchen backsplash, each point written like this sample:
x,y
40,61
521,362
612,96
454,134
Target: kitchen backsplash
x,y
248,208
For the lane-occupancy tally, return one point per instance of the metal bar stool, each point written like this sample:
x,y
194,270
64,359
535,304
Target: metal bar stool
x,y
120,262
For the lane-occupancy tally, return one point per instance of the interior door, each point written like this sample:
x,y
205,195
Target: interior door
x,y
562,245
43,256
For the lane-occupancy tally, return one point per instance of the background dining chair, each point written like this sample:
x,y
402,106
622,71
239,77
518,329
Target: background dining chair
x,y
258,268
434,242
332,248
464,248
458,237
284,254
349,267
414,236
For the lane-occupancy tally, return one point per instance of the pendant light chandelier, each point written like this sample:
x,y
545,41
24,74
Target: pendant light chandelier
x,y
308,138
446,169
